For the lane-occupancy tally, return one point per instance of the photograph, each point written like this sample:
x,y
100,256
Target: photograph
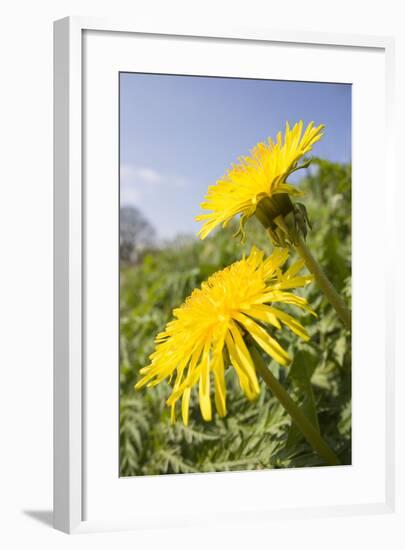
x,y
213,277
235,274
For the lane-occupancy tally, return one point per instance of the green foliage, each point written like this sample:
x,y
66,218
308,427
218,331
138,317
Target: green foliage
x,y
253,435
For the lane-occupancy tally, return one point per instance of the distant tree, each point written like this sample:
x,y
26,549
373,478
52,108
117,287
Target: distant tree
x,y
136,233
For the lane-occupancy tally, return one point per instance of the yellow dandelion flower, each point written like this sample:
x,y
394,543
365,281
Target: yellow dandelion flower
x,y
237,301
262,175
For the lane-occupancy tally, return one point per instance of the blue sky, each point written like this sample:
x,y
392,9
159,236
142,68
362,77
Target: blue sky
x,y
179,134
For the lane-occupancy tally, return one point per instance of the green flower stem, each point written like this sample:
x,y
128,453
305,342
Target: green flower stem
x,y
323,282
307,429
279,217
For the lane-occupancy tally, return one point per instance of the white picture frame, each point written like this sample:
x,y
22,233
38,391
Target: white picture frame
x,y
73,444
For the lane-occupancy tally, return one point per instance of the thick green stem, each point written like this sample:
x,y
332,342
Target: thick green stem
x,y
323,282
309,432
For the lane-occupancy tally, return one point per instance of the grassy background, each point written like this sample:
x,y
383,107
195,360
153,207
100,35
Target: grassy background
x,y
253,435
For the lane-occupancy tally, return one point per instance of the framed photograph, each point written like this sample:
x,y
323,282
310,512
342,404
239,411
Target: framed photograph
x,y
223,307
